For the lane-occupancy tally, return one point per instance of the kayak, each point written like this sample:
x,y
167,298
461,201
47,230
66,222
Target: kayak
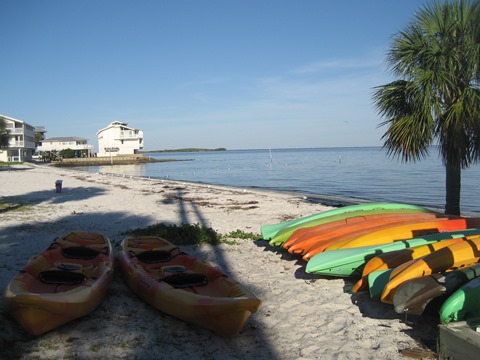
x,y
302,240
408,231
64,282
390,259
269,231
396,258
289,235
390,234
462,304
413,295
352,262
452,257
377,281
184,286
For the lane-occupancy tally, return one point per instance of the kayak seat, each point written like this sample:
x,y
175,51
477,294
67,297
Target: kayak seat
x,y
155,256
184,280
60,277
79,252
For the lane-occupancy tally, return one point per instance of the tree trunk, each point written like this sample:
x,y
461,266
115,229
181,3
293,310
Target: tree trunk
x,y
453,187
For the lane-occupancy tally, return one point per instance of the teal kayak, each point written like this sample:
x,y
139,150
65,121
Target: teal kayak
x,y
350,262
377,281
463,304
269,232
413,295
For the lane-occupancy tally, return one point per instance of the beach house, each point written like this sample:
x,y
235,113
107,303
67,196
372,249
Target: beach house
x,y
119,139
79,146
21,144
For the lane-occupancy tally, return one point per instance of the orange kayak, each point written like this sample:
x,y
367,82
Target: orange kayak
x,y
184,286
302,240
407,231
452,257
64,282
395,258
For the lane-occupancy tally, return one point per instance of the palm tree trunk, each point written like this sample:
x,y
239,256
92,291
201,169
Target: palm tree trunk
x,y
453,187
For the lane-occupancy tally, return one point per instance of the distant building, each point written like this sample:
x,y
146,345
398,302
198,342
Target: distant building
x,y
40,132
119,139
56,144
21,145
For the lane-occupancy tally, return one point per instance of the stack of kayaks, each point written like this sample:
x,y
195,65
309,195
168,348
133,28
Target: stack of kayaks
x,y
279,233
64,282
404,255
184,286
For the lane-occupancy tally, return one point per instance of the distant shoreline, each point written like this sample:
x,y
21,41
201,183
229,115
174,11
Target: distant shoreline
x,y
115,160
182,150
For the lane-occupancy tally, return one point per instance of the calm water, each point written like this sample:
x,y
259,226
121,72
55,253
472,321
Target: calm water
x,y
347,173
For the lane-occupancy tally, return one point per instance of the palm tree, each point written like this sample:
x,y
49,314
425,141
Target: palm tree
x,y
436,99
4,135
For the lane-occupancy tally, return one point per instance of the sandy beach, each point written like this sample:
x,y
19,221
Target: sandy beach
x,y
302,316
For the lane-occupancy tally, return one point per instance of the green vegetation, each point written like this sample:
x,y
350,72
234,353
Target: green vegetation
x,y
436,99
9,206
191,234
185,150
67,153
4,135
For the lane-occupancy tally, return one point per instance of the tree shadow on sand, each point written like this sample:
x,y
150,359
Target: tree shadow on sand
x,y
123,323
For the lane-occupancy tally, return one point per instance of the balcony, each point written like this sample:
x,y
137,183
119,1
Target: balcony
x,y
129,135
57,147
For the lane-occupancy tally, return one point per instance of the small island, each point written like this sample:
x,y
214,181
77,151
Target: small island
x,y
183,150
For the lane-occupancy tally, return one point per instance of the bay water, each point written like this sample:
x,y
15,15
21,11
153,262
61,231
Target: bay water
x,y
351,174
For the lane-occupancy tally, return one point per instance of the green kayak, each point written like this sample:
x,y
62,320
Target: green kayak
x,y
377,281
463,304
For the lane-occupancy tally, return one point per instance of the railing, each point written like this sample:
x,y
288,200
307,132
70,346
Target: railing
x,y
16,131
64,147
130,135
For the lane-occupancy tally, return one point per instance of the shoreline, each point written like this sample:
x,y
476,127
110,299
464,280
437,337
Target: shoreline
x,y
302,316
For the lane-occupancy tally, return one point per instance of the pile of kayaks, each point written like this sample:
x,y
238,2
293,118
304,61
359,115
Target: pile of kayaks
x,y
404,255
71,278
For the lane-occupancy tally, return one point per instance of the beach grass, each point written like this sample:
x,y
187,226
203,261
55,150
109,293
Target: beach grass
x,y
192,234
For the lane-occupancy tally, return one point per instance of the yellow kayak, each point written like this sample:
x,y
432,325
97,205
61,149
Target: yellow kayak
x,y
452,257
184,286
395,258
64,282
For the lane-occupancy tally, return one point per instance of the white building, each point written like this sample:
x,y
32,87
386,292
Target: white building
x,y
119,139
56,144
21,145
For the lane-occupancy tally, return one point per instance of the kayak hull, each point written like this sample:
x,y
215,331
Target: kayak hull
x,y
414,295
463,304
270,231
62,283
391,259
449,258
184,286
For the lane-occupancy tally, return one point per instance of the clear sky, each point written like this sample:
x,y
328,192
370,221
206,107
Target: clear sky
x,y
240,74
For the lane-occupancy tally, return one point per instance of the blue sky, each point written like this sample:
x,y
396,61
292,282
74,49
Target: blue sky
x,y
238,74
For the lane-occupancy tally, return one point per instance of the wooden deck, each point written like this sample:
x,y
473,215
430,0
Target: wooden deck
x,y
459,341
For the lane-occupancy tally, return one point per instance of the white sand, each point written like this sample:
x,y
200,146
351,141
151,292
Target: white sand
x,y
302,316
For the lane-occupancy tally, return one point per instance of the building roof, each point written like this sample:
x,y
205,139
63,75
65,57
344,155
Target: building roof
x,y
66,138
11,119
117,124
